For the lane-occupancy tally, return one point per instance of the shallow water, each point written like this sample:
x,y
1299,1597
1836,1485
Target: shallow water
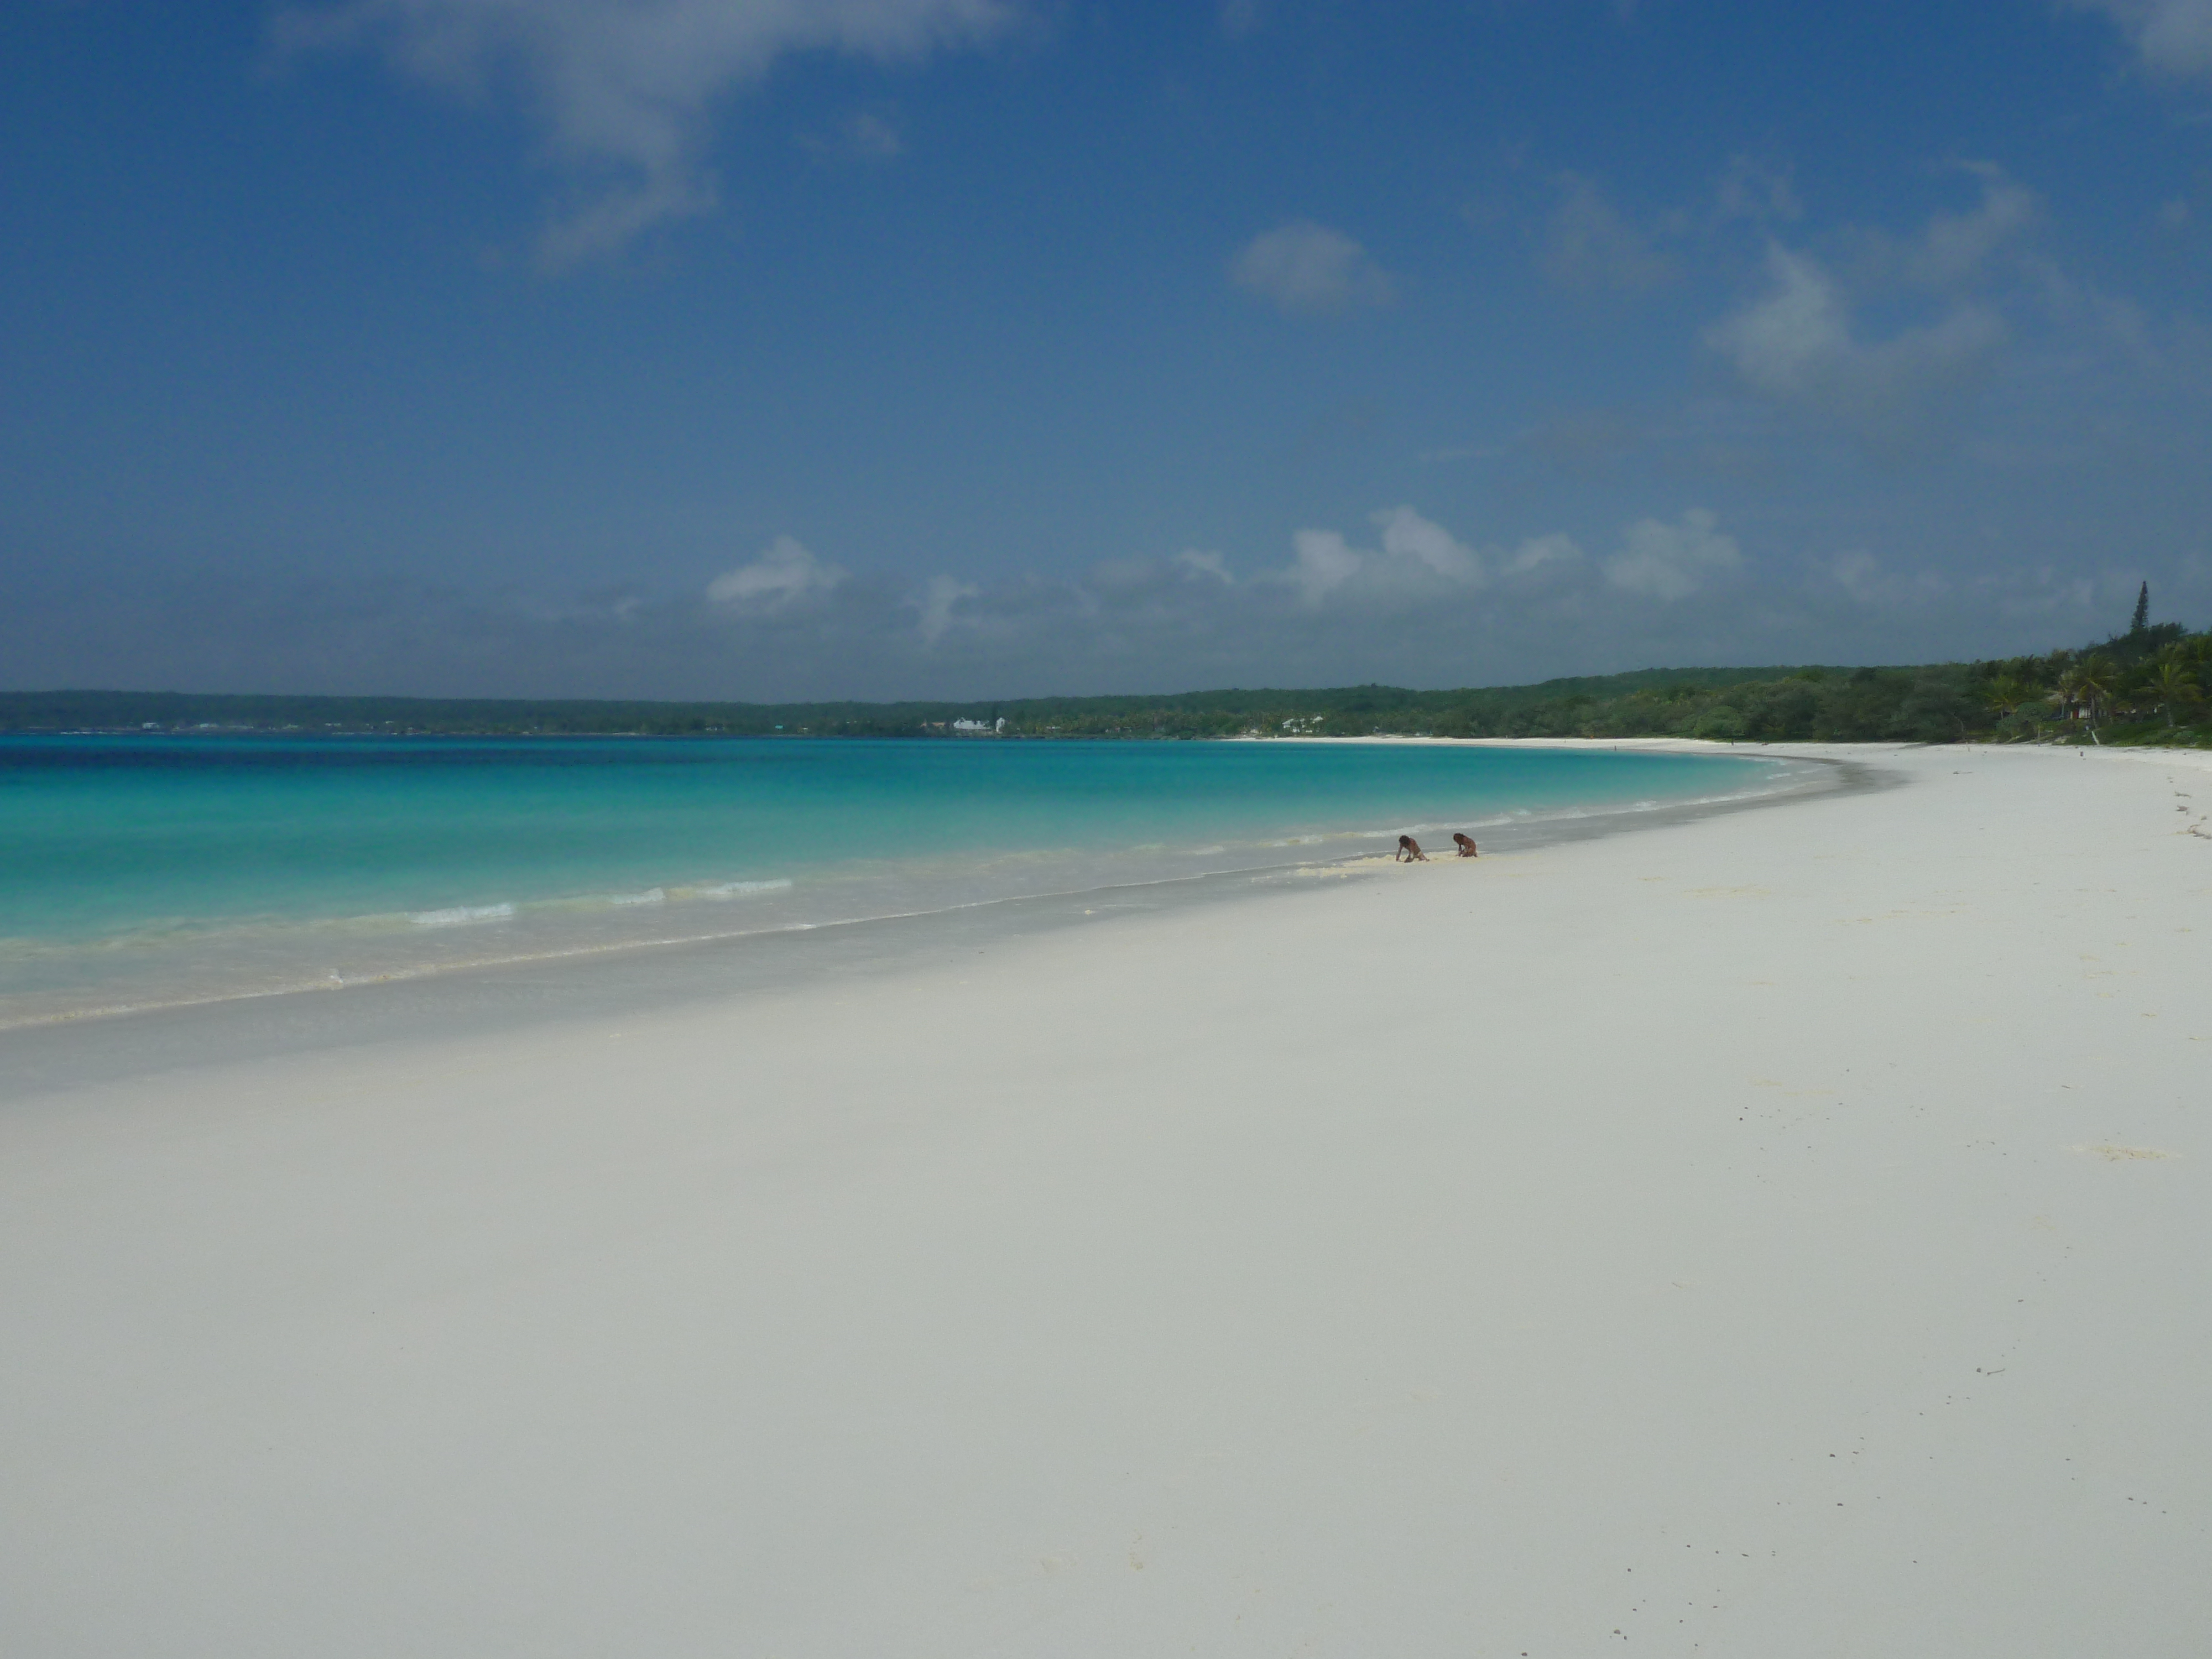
x,y
144,871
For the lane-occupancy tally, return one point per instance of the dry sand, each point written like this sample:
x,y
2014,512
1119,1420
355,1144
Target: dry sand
x,y
1780,1234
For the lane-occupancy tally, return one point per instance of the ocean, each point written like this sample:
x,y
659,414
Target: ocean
x,y
142,873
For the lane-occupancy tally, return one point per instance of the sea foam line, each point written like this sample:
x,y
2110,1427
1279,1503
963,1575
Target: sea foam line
x,y
729,890
461,915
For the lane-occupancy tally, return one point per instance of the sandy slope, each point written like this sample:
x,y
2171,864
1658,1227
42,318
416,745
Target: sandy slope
x,y
1781,1235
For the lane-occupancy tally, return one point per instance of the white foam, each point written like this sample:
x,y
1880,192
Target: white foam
x,y
729,890
461,914
651,896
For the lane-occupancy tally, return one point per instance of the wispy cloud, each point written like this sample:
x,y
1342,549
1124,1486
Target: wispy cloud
x,y
624,90
1306,270
1588,243
1418,562
1796,344
938,602
784,574
1953,249
1206,563
1322,561
1865,579
1751,188
1671,562
2172,37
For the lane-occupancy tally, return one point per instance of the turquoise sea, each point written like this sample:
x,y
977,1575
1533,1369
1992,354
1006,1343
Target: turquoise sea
x,y
145,871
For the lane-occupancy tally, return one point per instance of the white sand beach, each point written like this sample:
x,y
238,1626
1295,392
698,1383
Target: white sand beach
x,y
1783,1234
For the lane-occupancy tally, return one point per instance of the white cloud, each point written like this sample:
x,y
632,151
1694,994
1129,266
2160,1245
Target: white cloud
x,y
1782,343
1955,245
623,89
936,605
1588,244
1322,561
2172,37
1198,563
1542,556
1407,536
782,576
610,218
1752,189
1897,378
1860,575
1417,556
1307,270
1418,562
1673,561
1795,344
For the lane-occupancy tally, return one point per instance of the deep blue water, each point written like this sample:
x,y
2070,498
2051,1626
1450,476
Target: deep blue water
x,y
160,868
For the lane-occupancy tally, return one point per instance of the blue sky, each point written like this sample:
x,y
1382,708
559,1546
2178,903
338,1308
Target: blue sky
x,y
769,350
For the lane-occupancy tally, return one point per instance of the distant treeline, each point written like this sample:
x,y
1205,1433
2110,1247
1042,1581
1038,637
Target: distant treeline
x,y
2141,686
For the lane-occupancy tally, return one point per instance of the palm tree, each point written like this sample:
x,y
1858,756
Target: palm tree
x,y
2170,683
2066,695
2095,681
2004,694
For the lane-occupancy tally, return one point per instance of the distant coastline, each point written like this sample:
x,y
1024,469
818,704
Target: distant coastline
x,y
2145,686
1333,711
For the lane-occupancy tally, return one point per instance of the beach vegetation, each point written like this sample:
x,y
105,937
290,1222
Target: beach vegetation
x,y
2173,686
2145,685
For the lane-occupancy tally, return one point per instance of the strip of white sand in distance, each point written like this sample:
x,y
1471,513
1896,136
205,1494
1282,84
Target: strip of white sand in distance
x,y
1779,1235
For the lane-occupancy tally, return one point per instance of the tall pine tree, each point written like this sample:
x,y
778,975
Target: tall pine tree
x,y
2142,621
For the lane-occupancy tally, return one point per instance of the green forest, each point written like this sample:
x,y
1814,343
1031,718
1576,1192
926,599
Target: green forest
x,y
2145,685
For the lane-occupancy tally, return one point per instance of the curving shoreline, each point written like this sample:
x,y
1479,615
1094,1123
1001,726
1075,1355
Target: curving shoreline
x,y
253,959
1770,1233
